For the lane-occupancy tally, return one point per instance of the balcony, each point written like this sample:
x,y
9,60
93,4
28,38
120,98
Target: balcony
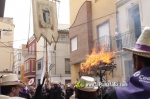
x,y
17,63
29,55
127,39
106,41
30,74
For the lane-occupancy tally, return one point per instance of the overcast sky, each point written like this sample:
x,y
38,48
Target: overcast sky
x,y
19,11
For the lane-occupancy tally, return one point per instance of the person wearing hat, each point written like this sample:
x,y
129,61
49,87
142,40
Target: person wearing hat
x,y
138,87
56,91
69,91
85,89
10,87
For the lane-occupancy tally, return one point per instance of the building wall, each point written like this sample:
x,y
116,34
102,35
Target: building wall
x,y
102,11
39,72
124,22
29,57
39,57
62,52
55,57
60,79
126,57
75,72
6,53
58,57
123,16
85,17
124,25
40,47
84,37
74,6
118,72
17,63
145,14
106,12
30,73
82,32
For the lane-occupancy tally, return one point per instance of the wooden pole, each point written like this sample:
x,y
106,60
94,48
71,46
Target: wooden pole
x,y
46,58
46,62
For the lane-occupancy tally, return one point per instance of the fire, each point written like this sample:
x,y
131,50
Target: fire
x,y
95,58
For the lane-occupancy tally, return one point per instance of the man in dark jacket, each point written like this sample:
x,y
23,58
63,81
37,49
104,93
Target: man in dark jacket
x,y
56,91
38,92
69,92
139,84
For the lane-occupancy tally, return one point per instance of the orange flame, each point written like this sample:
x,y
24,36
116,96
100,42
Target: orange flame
x,y
95,58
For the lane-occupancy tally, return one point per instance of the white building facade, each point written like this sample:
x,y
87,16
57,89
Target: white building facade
x,y
19,60
60,71
58,60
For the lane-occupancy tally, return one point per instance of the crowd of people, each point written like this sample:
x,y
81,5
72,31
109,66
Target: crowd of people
x,y
11,87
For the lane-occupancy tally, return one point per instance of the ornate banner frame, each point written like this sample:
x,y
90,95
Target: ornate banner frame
x,y
45,20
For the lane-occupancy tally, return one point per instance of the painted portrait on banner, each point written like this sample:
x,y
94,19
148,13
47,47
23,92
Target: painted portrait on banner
x,y
45,20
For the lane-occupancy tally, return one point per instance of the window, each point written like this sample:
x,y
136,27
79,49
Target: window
x,y
18,70
0,34
62,37
104,37
74,44
30,50
46,16
67,66
119,41
67,81
33,51
19,56
33,65
28,66
134,21
39,66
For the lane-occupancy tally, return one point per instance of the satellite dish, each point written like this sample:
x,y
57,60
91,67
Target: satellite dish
x,y
31,81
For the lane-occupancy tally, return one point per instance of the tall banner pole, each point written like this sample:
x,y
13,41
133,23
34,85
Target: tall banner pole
x,y
47,80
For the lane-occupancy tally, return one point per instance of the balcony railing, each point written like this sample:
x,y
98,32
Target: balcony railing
x,y
106,41
29,55
127,39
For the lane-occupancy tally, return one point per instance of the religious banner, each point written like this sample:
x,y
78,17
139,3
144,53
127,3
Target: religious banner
x,y
45,20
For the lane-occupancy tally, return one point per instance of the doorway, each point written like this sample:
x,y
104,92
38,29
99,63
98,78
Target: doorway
x,y
134,21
